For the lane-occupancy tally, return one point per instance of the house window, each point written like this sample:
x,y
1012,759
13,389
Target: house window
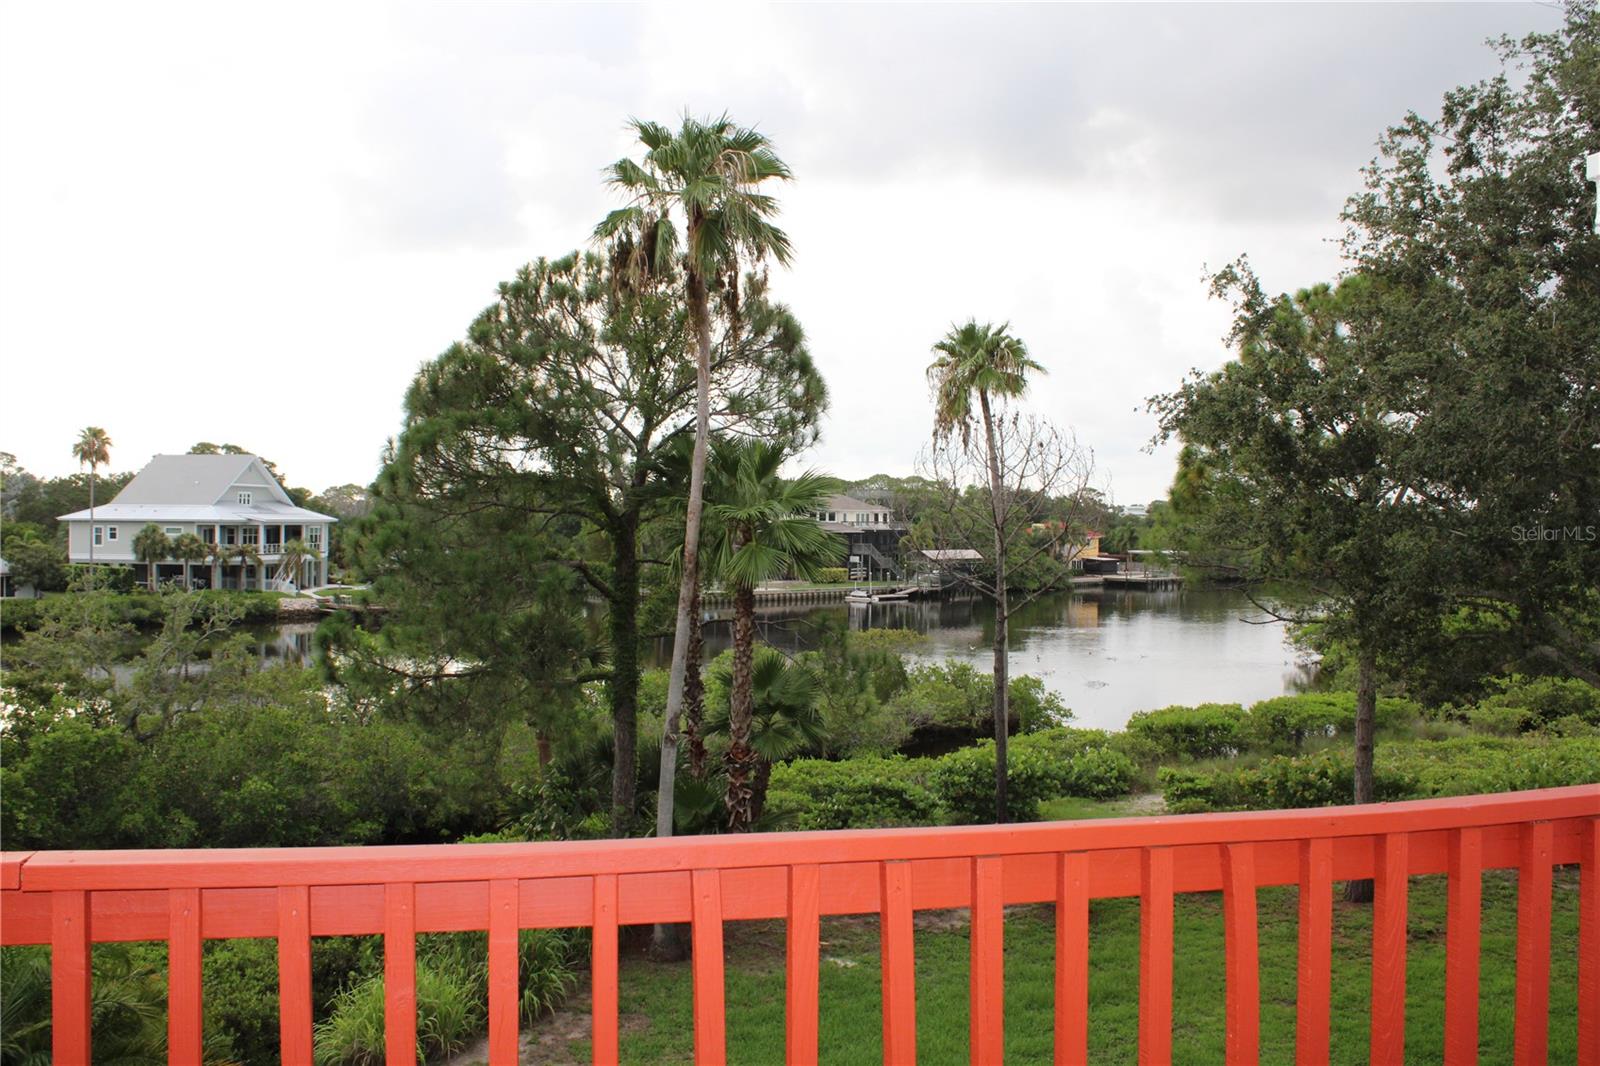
x,y
249,535
314,537
173,531
208,534
230,535
111,532
244,499
98,534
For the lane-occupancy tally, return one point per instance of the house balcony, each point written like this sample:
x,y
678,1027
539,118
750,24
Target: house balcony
x,y
71,899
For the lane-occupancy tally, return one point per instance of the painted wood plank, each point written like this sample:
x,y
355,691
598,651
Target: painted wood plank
x,y
803,942
185,1018
504,998
710,988
898,955
1242,959
1390,886
987,975
1589,945
70,976
400,974
1463,948
294,973
1532,1037
1155,957
603,973
1314,972
1072,959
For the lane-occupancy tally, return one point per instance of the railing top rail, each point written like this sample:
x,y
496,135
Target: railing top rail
x,y
267,867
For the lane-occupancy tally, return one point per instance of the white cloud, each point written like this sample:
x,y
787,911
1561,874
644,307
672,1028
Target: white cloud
x,y
252,223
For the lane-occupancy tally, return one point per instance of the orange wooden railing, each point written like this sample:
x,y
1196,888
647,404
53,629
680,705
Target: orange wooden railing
x,y
72,899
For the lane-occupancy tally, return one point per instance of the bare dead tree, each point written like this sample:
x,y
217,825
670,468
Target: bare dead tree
x,y
1020,511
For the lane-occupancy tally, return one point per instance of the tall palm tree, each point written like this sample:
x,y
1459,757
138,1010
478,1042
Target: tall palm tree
x,y
987,364
93,449
150,546
785,720
760,527
695,201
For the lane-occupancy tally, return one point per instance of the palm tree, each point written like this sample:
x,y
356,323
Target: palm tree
x,y
760,528
150,546
244,555
218,554
295,554
694,200
987,363
189,549
93,449
784,721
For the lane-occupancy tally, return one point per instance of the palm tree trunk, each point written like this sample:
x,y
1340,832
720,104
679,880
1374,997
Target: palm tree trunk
x,y
92,581
1366,736
758,795
741,758
694,692
1002,659
700,314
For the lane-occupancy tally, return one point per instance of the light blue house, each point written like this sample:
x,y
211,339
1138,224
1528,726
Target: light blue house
x,y
228,500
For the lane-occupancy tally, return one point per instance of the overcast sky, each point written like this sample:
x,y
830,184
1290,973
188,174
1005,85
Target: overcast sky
x,y
251,223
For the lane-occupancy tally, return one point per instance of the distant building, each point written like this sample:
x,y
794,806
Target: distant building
x,y
223,499
1136,510
9,587
870,531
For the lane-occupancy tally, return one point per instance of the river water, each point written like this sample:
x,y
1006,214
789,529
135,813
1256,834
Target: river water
x,y
1107,654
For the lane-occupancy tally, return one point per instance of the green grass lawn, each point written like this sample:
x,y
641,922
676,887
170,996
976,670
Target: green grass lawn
x,y
656,998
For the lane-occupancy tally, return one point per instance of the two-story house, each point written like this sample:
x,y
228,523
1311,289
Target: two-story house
x,y
226,500
870,531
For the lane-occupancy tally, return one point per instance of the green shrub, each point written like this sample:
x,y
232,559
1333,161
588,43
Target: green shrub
x,y
956,696
833,575
1524,704
964,782
860,793
1083,762
1285,723
1209,731
1407,770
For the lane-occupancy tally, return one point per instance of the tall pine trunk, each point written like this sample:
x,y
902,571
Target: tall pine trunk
x,y
623,620
1002,712
699,313
1366,735
741,758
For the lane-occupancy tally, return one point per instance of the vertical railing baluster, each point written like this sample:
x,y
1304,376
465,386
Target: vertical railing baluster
x,y
1589,943
1462,947
504,1000
898,950
603,973
803,936
71,967
710,994
1533,946
294,973
987,976
1242,960
400,974
1072,959
1314,971
185,1023
1155,956
1388,1043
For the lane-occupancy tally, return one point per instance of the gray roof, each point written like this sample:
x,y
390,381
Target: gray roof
x,y
192,488
198,479
850,503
